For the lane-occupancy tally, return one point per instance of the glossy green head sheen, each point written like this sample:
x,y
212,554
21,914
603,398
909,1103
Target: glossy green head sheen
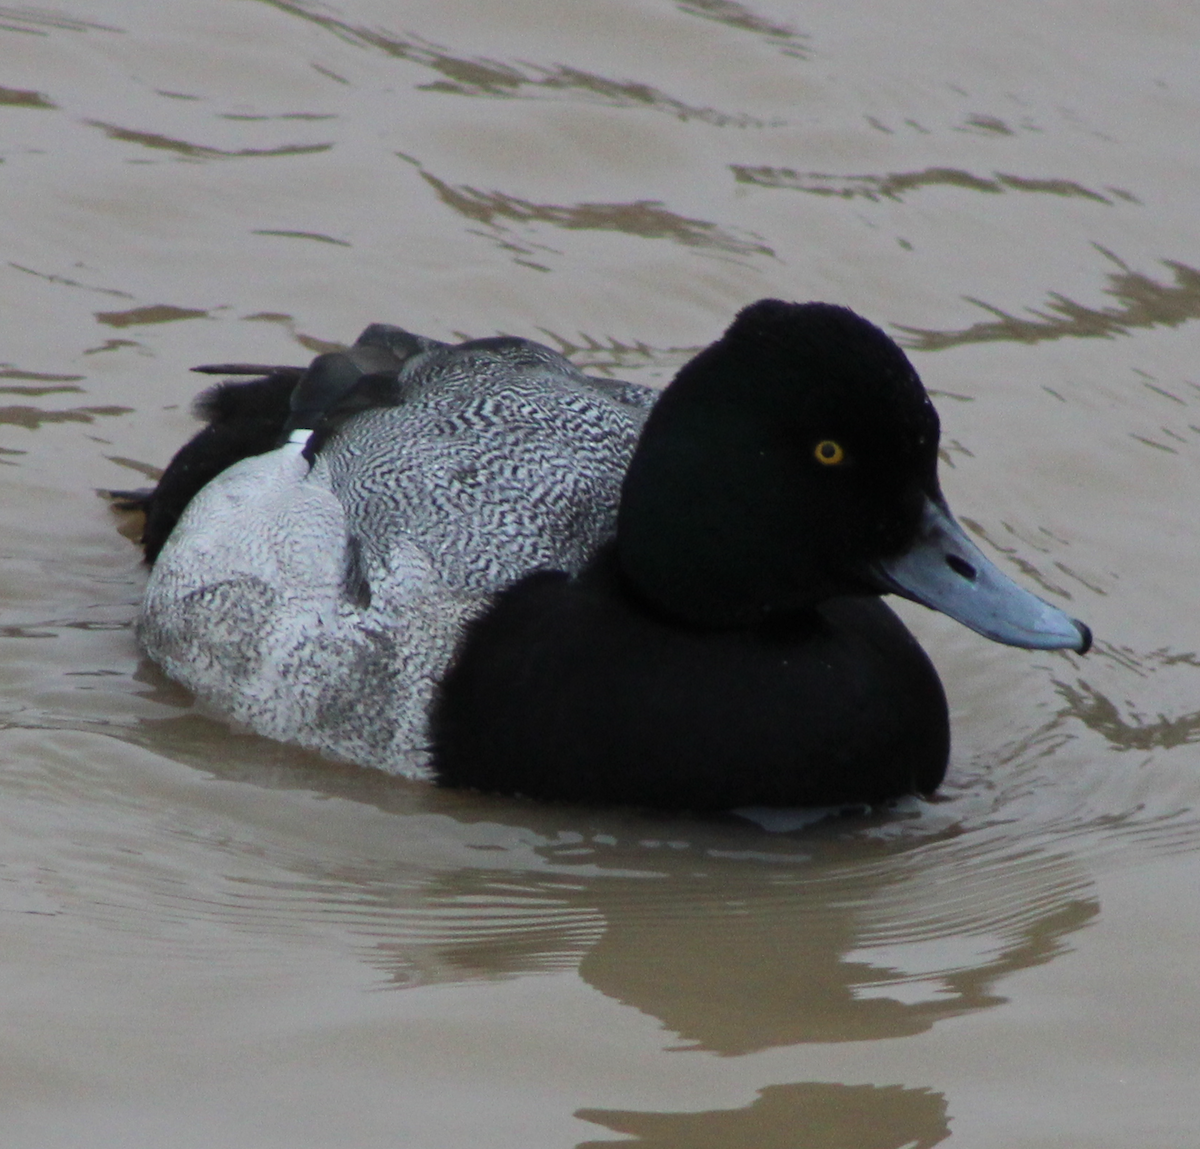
x,y
782,463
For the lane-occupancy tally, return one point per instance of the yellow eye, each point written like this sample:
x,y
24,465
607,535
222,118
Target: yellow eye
x,y
829,453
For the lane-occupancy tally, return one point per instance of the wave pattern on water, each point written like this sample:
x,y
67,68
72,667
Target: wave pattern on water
x,y
898,185
741,18
645,219
1131,730
1143,302
189,151
41,22
24,97
841,1116
31,418
478,76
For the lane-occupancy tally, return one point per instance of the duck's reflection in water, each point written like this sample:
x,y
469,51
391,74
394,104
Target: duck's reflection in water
x,y
860,940
785,1116
735,940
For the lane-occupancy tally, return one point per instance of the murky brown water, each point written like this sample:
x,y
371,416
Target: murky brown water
x,y
209,939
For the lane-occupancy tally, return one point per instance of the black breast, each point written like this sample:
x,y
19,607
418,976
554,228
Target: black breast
x,y
568,689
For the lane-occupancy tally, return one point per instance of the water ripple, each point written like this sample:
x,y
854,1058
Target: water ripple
x,y
479,76
1142,302
897,186
191,151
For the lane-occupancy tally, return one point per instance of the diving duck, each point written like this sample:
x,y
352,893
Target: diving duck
x,y
474,564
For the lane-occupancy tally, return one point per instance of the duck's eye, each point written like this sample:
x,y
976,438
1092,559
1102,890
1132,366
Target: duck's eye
x,y
828,453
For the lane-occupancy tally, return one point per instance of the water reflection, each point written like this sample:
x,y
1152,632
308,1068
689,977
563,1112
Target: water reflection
x,y
735,940
31,418
66,281
897,186
314,235
738,16
52,384
646,219
784,1116
1143,302
201,151
478,76
22,98
993,125
155,313
1135,732
768,967
40,23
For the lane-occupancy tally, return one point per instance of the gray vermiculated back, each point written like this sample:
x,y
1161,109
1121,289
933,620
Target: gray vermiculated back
x,y
496,472
321,607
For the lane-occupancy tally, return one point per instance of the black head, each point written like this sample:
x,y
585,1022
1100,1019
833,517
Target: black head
x,y
783,459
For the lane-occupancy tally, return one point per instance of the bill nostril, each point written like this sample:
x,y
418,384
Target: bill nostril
x,y
961,567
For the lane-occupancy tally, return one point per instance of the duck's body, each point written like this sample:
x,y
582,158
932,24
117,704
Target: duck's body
x,y
460,568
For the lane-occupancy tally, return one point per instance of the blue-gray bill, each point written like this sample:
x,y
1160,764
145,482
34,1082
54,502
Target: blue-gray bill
x,y
947,572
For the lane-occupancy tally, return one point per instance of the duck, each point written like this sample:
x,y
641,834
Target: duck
x,y
475,565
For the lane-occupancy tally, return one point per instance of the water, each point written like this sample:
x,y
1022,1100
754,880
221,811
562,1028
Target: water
x,y
210,939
